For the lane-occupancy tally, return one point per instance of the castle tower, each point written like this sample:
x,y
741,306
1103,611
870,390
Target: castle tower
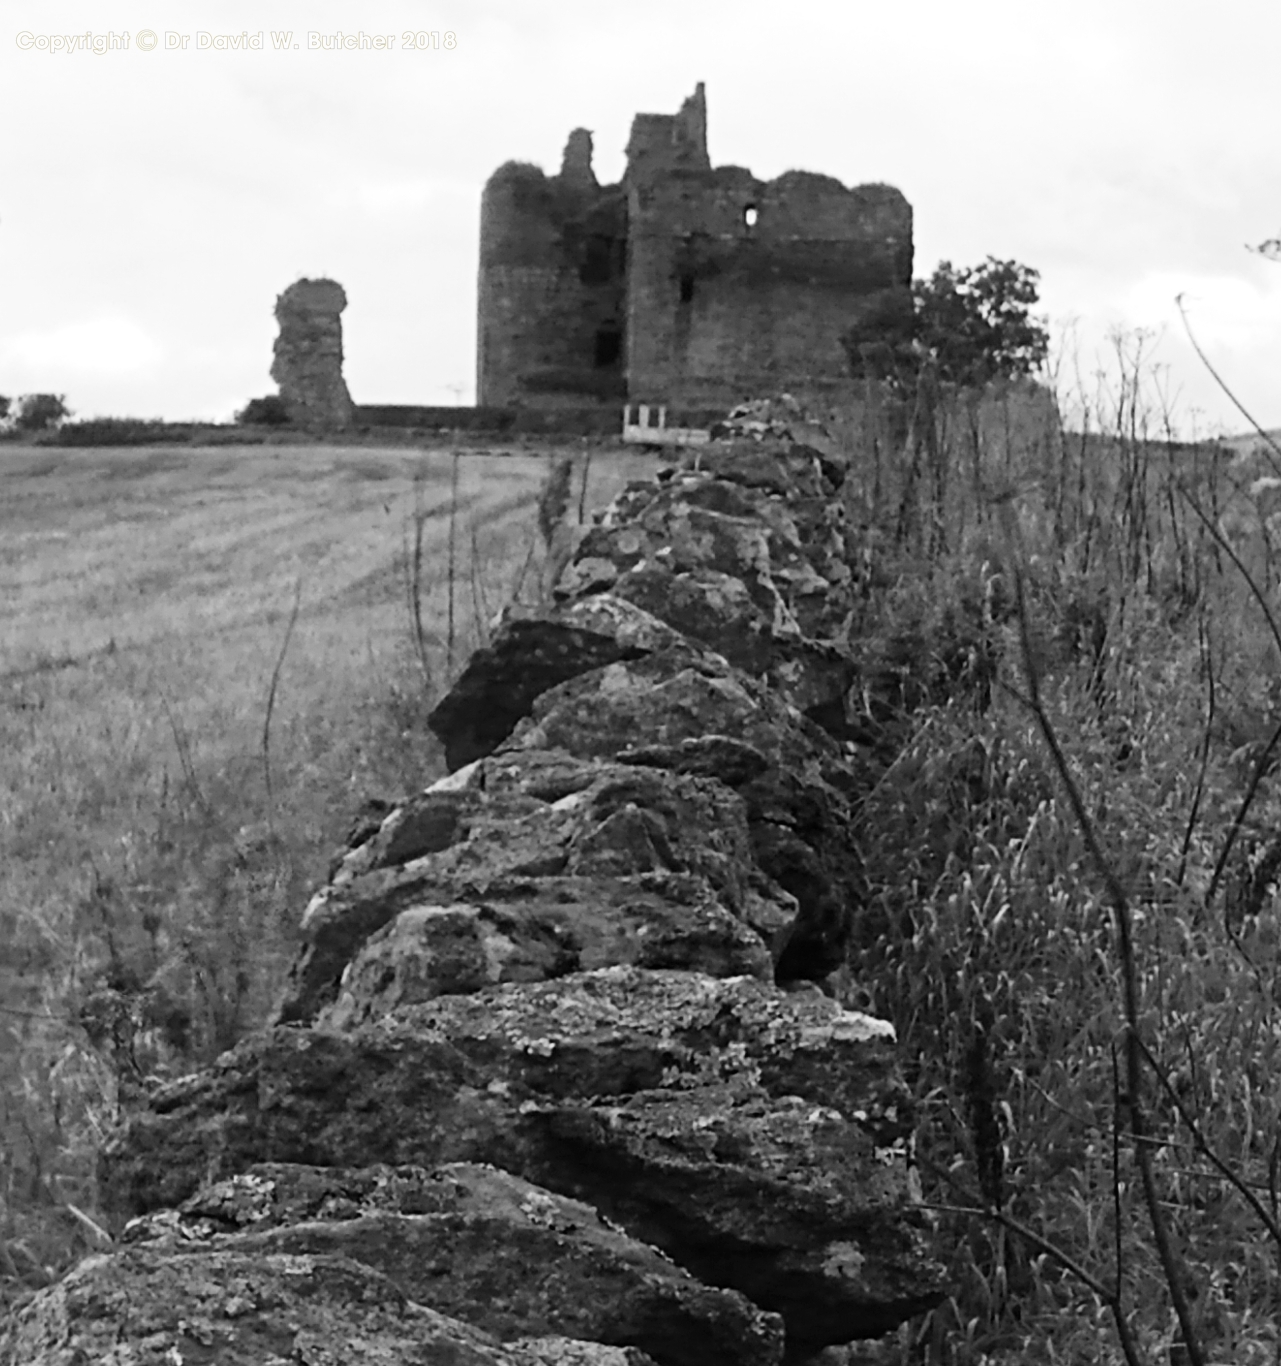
x,y
551,298
661,143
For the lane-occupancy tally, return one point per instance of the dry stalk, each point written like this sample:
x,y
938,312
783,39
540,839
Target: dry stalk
x,y
582,487
1219,380
271,705
479,604
182,743
414,586
1205,647
975,1205
453,527
1176,1274
1262,760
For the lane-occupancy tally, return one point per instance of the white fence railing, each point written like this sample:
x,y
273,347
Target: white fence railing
x,y
650,428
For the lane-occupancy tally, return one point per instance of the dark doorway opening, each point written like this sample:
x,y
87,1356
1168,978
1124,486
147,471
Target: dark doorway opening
x,y
687,288
609,346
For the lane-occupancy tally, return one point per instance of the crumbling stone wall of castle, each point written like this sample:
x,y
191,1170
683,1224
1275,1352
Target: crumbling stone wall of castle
x,y
739,287
308,355
551,289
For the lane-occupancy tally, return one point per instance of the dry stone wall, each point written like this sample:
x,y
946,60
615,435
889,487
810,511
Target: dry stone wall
x,y
564,1072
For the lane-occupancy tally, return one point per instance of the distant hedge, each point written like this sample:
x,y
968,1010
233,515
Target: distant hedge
x,y
121,431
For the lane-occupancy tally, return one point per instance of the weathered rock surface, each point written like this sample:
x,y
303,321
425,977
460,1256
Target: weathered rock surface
x,y
478,1243
560,1074
536,864
145,1306
786,545
798,810
308,355
535,649
748,559
757,1137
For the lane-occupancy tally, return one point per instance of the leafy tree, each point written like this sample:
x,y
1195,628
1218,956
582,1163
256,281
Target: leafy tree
x,y
969,324
38,411
4,407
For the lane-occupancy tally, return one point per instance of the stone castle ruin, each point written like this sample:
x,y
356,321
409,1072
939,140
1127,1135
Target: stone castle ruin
x,y
685,286
685,283
308,355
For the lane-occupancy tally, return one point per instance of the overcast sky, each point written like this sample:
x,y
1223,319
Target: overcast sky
x,y
154,203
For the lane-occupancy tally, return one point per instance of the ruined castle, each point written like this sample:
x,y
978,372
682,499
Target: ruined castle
x,y
685,283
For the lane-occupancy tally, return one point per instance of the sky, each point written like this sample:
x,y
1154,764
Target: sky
x,y
153,203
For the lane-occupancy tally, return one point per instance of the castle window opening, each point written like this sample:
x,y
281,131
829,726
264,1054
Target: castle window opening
x,y
609,347
687,288
598,261
750,216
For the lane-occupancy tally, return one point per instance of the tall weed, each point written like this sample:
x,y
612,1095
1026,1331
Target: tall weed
x,y
989,938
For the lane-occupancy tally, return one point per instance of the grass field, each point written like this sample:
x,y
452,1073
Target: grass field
x,y
145,597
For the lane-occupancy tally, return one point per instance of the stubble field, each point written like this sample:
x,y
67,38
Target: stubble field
x,y
146,829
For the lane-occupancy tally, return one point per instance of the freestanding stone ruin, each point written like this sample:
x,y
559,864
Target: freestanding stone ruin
x,y
308,355
685,283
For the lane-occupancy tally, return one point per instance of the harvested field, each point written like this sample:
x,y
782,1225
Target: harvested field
x,y
145,599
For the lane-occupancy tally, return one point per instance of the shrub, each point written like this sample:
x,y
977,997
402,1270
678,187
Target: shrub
x,y
269,411
39,411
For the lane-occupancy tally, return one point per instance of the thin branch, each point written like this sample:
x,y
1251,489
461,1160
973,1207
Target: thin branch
x,y
1171,1264
479,607
1273,1171
977,1206
1228,548
453,525
524,569
1117,1221
1218,379
31,1014
182,743
1064,1259
1211,702
1261,763
99,1234
1247,800
416,584
582,488
271,703
1267,1220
